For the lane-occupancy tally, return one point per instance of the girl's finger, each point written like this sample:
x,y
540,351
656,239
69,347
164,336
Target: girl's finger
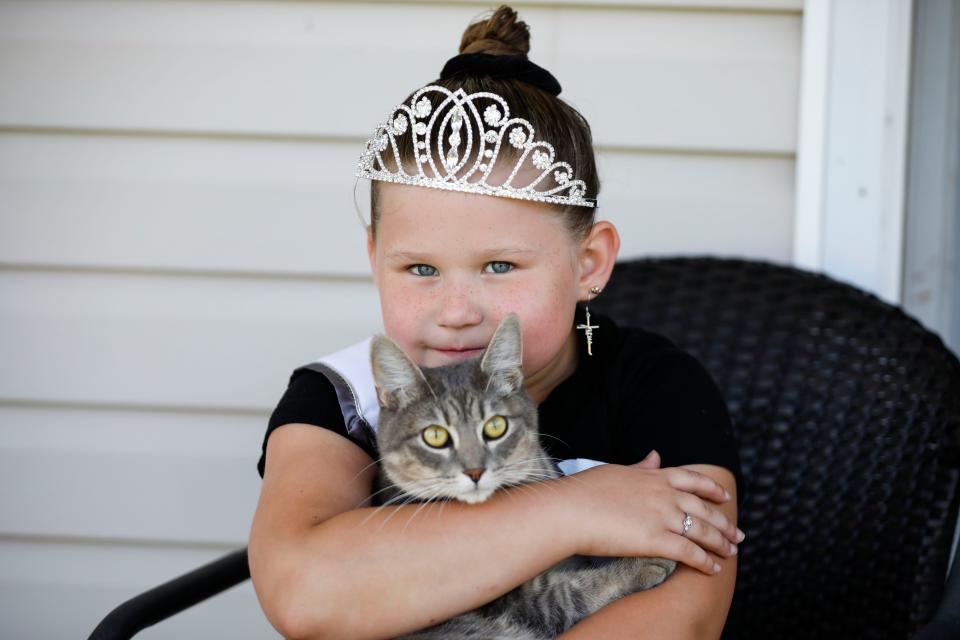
x,y
652,461
710,514
697,483
709,532
685,550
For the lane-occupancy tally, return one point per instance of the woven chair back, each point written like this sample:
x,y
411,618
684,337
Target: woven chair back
x,y
847,417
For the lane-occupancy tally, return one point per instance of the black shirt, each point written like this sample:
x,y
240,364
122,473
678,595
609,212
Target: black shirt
x,y
637,392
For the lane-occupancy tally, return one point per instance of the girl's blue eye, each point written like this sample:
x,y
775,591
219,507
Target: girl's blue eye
x,y
498,267
423,270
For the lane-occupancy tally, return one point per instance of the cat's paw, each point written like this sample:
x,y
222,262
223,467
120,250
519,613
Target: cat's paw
x,y
653,571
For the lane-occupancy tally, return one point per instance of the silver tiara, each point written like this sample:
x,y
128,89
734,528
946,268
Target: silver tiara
x,y
487,131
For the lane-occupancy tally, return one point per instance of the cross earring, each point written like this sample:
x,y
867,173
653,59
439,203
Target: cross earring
x,y
588,328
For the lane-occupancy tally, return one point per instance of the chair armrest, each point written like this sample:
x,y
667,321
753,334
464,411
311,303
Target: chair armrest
x,y
945,624
169,598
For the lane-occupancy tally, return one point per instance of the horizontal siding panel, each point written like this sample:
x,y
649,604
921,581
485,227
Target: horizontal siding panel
x,y
650,79
684,81
286,207
55,590
685,205
176,477
181,203
222,343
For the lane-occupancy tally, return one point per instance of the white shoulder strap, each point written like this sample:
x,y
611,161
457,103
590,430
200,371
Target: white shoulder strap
x,y
353,365
348,370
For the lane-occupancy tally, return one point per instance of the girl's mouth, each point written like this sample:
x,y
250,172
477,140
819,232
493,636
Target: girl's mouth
x,y
460,354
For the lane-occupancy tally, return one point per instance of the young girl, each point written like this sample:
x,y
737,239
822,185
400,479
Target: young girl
x,y
483,186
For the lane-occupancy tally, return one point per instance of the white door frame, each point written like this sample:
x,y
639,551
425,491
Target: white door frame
x,y
851,149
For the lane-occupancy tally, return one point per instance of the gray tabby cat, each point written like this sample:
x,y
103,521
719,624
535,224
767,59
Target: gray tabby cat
x,y
461,432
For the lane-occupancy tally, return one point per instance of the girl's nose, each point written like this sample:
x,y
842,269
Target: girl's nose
x,y
459,308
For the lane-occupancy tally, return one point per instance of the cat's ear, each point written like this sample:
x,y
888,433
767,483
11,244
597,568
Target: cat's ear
x,y
398,379
502,360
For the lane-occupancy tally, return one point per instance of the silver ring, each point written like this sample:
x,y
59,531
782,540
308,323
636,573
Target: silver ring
x,y
687,524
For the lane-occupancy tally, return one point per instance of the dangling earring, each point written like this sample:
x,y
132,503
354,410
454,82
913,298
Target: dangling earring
x,y
588,328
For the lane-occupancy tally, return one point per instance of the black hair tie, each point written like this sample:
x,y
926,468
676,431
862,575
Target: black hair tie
x,y
518,67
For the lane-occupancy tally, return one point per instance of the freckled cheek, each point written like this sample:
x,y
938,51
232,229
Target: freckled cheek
x,y
405,311
545,321
542,343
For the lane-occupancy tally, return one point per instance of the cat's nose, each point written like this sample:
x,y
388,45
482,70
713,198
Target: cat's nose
x,y
474,474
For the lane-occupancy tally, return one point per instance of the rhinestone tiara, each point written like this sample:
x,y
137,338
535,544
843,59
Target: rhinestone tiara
x,y
458,112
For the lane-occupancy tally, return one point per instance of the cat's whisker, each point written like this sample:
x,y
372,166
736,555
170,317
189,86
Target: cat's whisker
x,y
409,500
545,479
572,476
517,486
527,488
545,457
543,482
429,498
534,466
389,503
529,482
425,489
521,472
375,462
561,441
430,478
388,488
374,511
528,461
399,500
529,477
523,469
428,488
430,493
370,497
414,515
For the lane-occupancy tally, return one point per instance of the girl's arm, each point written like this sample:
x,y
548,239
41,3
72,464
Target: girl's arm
x,y
689,604
323,568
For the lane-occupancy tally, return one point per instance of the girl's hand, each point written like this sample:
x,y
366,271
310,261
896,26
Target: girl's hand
x,y
638,510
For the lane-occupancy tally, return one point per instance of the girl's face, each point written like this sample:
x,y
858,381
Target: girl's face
x,y
450,265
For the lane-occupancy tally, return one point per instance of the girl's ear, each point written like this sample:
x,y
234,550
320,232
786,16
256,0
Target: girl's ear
x,y
598,253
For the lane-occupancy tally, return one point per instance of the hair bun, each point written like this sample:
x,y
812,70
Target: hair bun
x,y
499,34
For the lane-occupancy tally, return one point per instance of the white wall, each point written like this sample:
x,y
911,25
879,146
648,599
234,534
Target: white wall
x,y
177,234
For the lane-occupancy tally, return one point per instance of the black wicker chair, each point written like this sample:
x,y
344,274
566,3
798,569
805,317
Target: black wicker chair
x,y
847,415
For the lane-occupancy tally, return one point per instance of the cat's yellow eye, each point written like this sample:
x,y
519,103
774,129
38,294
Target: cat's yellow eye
x,y
436,436
495,427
